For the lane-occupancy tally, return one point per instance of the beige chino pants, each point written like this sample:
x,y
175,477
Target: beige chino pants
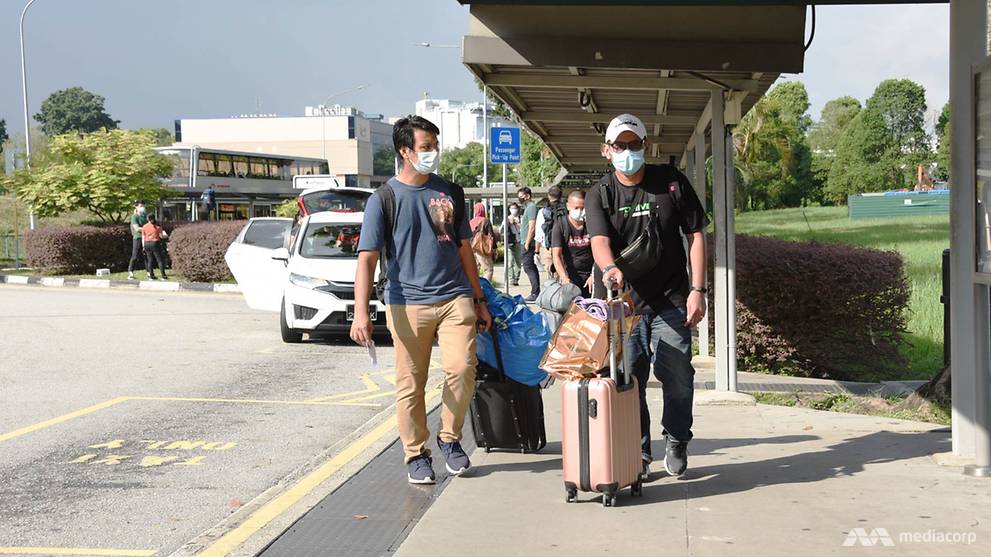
x,y
413,328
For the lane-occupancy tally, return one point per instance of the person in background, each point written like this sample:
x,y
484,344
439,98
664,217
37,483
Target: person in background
x,y
152,235
528,231
138,220
511,235
483,242
549,214
209,199
571,245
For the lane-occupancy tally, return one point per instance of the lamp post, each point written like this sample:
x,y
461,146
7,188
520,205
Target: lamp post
x,y
24,91
323,117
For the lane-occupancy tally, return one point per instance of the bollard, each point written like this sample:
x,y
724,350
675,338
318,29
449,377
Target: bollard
x,y
945,300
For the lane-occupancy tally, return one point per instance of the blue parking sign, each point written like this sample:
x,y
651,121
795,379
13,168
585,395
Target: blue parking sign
x,y
504,145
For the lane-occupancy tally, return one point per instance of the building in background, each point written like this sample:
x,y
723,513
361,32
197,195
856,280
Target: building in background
x,y
357,146
245,184
460,123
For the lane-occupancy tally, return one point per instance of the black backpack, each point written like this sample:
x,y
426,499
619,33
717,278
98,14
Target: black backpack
x,y
552,213
388,198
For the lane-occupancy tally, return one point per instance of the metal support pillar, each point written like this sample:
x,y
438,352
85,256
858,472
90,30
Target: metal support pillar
x,y
970,353
699,182
725,304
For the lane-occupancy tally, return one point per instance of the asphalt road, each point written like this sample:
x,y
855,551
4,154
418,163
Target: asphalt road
x,y
134,421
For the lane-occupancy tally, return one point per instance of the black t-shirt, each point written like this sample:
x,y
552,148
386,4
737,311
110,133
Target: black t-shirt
x,y
576,248
667,286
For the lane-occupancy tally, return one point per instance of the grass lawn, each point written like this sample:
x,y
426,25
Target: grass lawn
x,y
920,240
894,407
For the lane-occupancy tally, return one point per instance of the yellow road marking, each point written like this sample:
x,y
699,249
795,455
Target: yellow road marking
x,y
245,401
260,518
370,387
76,551
114,401
62,418
370,397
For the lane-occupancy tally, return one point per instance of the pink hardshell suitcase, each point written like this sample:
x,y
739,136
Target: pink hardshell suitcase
x,y
600,432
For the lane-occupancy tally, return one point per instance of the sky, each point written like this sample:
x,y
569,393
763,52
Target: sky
x,y
156,61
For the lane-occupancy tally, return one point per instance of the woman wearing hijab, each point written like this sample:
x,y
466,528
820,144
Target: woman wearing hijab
x,y
483,242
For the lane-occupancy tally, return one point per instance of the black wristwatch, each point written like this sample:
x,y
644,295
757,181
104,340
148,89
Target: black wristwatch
x,y
702,290
608,268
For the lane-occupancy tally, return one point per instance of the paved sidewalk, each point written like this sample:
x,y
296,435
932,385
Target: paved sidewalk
x,y
763,480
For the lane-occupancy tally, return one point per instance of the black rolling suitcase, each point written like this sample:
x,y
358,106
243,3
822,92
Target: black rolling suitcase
x,y
506,414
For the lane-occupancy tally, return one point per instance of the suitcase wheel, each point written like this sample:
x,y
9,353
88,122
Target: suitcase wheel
x,y
608,500
572,495
488,450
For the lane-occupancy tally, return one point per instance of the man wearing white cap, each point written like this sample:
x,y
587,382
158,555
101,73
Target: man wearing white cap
x,y
634,215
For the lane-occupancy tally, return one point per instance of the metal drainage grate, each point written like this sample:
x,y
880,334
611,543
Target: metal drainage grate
x,y
380,492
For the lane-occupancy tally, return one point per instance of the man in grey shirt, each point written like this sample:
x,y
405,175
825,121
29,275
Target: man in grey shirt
x,y
432,290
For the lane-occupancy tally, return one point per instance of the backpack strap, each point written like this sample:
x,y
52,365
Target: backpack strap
x,y
388,198
458,197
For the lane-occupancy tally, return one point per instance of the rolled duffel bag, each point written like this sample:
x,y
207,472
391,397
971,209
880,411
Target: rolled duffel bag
x,y
506,414
557,297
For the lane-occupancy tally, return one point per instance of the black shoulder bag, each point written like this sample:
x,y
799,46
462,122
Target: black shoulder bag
x,y
643,254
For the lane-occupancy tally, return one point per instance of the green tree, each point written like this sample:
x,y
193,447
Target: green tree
x,y
538,165
73,109
163,137
773,156
825,135
943,146
902,105
103,172
464,166
384,162
867,158
793,103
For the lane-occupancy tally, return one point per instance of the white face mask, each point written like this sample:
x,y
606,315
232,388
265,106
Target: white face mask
x,y
426,162
577,214
514,212
141,210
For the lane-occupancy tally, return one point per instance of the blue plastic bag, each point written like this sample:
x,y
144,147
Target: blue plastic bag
x,y
523,336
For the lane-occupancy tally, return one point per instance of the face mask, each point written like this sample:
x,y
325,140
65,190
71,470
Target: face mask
x,y
514,212
628,162
577,214
141,210
426,162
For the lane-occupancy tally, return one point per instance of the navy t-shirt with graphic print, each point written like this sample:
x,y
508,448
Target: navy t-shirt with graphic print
x,y
667,285
424,266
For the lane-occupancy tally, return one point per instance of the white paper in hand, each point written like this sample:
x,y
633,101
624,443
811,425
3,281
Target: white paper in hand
x,y
371,353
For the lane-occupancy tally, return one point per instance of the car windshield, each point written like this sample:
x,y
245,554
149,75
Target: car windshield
x,y
331,241
336,200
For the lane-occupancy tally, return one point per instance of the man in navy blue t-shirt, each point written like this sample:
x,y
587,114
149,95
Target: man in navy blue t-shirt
x,y
432,290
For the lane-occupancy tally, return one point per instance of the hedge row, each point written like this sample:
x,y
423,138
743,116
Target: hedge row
x,y
78,249
830,311
197,249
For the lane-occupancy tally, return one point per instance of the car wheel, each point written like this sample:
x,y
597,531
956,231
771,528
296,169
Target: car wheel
x,y
289,335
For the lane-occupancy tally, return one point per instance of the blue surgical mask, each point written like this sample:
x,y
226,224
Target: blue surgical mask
x,y
628,162
426,162
577,214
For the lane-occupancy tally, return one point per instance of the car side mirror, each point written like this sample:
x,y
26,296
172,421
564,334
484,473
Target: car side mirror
x,y
281,254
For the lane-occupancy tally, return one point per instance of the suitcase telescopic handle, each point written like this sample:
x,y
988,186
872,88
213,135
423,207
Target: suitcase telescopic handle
x,y
615,322
493,331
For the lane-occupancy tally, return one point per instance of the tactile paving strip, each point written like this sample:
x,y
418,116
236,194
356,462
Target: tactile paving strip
x,y
370,514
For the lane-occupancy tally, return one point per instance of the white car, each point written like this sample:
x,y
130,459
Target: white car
x,y
307,275
505,137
